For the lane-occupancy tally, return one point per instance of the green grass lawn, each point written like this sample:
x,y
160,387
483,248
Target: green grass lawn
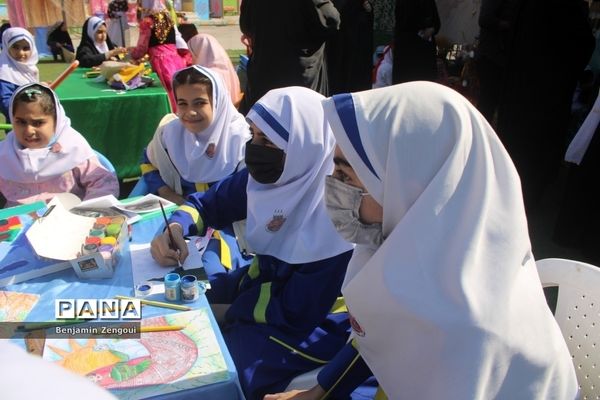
x,y
49,70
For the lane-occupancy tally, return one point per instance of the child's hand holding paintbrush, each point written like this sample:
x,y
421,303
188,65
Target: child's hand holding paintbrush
x,y
169,248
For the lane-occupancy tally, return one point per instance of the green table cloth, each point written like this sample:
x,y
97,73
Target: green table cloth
x,y
119,125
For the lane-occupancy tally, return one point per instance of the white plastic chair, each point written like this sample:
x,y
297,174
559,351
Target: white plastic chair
x,y
305,381
578,315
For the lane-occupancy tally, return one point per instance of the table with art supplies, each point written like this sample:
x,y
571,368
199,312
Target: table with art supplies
x,y
117,123
180,353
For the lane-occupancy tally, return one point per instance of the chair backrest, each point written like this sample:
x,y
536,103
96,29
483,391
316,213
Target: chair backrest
x,y
578,315
305,381
105,162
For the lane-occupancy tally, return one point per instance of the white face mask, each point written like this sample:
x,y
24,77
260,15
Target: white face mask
x,y
343,203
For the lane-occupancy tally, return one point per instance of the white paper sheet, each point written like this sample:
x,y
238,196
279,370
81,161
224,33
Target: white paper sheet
x,y
145,268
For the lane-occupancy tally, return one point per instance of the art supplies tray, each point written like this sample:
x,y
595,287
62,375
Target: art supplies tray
x,y
92,246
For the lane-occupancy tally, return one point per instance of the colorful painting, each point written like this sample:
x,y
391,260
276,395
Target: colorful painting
x,y
157,363
15,306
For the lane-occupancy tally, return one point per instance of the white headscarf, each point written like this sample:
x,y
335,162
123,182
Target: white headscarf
x,y
38,165
291,118
11,70
228,133
450,306
94,23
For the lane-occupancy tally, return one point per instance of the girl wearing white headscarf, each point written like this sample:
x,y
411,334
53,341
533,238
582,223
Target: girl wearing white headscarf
x,y
446,301
46,157
280,305
177,161
95,47
18,64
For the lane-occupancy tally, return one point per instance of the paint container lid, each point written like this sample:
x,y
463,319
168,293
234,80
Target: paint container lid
x,y
109,240
113,230
143,289
97,232
92,240
117,220
106,247
103,220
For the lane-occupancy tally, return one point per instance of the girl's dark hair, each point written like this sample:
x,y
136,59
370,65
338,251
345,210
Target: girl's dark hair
x,y
36,94
190,76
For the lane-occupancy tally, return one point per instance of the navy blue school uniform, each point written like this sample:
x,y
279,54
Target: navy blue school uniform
x,y
279,324
223,248
6,91
151,175
341,377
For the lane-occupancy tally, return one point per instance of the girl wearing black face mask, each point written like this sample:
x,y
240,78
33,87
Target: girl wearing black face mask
x,y
281,303
264,160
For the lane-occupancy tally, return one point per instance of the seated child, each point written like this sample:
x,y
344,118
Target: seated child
x,y
18,64
202,145
43,155
279,323
96,47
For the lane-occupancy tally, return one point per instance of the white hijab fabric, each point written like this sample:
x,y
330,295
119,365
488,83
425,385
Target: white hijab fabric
x,y
39,165
94,24
291,118
11,70
228,132
450,305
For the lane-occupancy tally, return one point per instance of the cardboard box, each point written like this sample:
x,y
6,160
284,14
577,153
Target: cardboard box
x,y
60,235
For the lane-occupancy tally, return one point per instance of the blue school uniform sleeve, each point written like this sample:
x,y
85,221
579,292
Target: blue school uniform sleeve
x,y
150,174
221,205
6,91
291,297
344,373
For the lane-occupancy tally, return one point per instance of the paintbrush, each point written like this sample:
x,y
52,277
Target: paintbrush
x,y
173,246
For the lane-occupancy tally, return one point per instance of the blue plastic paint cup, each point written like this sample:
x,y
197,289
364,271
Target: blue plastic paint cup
x,y
172,287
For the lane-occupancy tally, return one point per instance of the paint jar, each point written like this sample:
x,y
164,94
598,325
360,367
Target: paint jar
x,y
117,220
93,240
172,287
143,289
100,227
113,230
97,232
109,241
88,249
103,220
189,289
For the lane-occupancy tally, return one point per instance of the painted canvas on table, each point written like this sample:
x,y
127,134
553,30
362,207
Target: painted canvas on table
x,y
15,306
157,363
